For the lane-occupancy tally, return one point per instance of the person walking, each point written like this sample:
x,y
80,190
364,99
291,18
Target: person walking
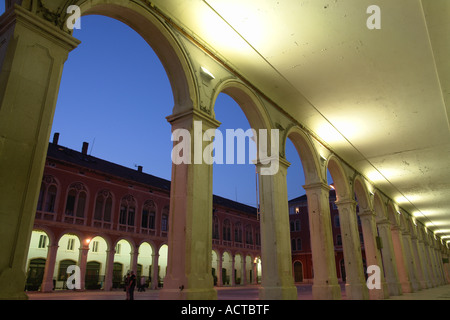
x,y
126,284
131,286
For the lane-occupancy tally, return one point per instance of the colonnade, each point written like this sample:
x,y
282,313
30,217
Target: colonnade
x,y
34,48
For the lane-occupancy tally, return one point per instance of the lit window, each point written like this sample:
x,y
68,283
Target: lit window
x,y
70,244
42,241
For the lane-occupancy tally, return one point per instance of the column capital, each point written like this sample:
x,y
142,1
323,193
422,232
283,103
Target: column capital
x,y
348,201
384,222
366,212
195,115
317,185
39,25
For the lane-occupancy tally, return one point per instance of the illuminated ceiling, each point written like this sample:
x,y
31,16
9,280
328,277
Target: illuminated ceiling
x,y
378,98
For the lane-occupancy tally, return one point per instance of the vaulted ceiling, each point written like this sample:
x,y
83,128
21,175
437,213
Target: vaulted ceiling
x,y
379,98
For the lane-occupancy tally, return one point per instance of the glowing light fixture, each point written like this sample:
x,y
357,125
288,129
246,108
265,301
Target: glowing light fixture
x,y
207,73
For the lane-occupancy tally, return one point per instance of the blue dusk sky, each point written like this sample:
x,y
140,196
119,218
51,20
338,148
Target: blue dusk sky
x,y
115,95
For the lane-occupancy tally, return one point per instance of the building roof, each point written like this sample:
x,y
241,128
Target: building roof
x,y
89,162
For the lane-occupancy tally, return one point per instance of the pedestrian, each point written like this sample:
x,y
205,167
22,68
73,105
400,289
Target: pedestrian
x,y
126,282
131,286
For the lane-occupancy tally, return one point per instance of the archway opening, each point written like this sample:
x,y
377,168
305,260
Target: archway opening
x,y
115,96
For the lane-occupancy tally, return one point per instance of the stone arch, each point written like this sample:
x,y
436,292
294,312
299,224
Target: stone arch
x,y
156,32
392,214
379,207
403,222
308,154
340,179
104,236
48,231
362,193
248,101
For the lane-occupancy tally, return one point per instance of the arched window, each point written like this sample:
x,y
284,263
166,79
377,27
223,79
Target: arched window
x,y
238,232
297,225
165,219
258,237
299,244
248,234
47,194
293,245
215,233
127,210
226,230
148,215
76,200
103,206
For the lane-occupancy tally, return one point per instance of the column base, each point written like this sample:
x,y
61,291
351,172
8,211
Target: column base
x,y
395,288
406,287
12,285
326,292
379,294
356,291
188,294
278,293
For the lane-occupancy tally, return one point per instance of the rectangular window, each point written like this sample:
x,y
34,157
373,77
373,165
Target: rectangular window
x,y
144,219
95,246
123,215
42,241
70,206
131,216
70,244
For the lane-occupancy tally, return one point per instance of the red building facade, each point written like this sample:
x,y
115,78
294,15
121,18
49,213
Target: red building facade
x,y
86,198
300,239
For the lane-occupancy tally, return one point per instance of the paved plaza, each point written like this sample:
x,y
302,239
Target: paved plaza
x,y
225,293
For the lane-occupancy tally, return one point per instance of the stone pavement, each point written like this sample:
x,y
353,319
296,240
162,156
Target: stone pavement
x,y
224,293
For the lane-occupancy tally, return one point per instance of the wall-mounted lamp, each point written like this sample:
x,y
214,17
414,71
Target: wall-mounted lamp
x,y
206,73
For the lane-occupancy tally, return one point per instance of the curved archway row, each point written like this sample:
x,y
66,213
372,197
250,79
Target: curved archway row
x,y
48,259
43,48
102,267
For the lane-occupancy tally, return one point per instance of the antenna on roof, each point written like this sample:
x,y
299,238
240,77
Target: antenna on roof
x,y
92,147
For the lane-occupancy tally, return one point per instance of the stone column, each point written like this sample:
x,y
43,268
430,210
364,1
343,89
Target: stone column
x,y
134,254
355,283
219,270
446,265
47,281
439,264
373,254
325,285
402,267
277,281
190,219
425,263
32,55
388,255
418,261
430,263
107,286
255,273
155,271
412,269
82,261
244,271
233,271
